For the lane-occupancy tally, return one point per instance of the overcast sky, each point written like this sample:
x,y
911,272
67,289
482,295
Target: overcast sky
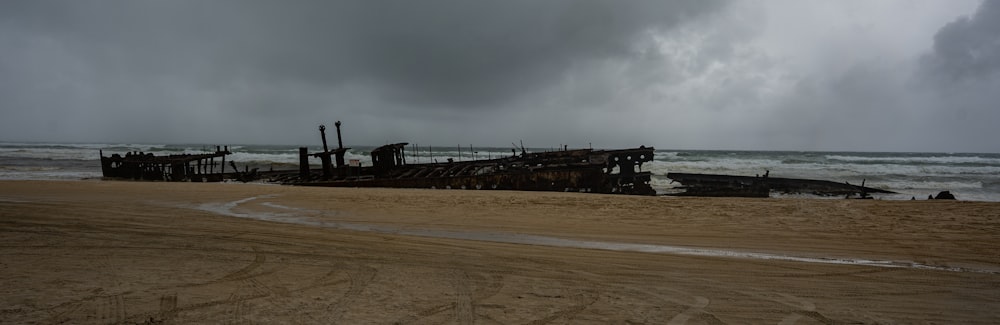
x,y
886,75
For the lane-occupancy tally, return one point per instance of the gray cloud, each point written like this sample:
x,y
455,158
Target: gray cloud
x,y
967,49
866,93
180,60
451,53
689,74
958,80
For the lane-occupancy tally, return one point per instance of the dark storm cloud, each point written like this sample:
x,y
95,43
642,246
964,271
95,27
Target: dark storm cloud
x,y
128,62
469,54
777,74
959,78
967,49
455,53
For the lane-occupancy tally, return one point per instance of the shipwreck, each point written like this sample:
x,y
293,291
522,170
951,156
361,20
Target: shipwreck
x,y
569,170
178,168
762,186
577,170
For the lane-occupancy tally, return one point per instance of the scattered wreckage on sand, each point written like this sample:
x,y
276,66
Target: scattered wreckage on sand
x,y
762,186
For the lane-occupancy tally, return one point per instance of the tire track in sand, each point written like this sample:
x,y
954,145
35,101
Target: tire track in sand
x,y
805,308
168,308
111,309
239,312
695,310
466,298
239,300
585,299
802,307
359,279
245,272
465,310
68,310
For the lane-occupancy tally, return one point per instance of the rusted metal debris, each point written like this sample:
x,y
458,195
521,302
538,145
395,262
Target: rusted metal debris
x,y
762,186
583,170
247,175
579,170
177,168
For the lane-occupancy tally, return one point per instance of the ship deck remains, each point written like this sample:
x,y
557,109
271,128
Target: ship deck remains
x,y
577,170
178,168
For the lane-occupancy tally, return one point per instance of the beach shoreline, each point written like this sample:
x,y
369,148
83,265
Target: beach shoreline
x,y
94,251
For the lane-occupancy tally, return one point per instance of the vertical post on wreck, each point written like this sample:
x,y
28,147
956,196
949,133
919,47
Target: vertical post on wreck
x,y
327,165
340,142
325,156
303,163
211,165
222,170
340,150
322,134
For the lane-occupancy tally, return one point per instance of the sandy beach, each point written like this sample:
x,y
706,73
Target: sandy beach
x,y
102,252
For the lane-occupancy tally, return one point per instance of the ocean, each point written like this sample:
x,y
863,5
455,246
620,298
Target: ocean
x,y
970,176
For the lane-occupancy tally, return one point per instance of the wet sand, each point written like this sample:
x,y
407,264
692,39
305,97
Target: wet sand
x,y
180,253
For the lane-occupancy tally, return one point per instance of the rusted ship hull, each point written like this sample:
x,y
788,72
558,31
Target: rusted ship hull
x,y
762,186
585,170
578,170
177,168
